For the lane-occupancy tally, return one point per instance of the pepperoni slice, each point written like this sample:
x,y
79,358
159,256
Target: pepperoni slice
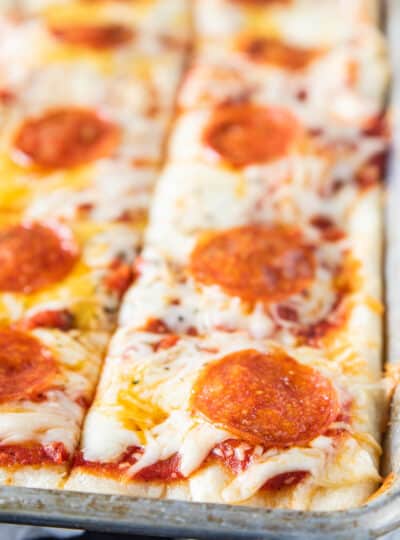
x,y
66,137
104,36
245,134
34,256
276,53
27,368
255,262
268,399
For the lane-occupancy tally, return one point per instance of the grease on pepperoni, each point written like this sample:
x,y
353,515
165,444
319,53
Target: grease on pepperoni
x,y
267,399
255,262
66,137
27,368
276,53
244,134
34,256
95,36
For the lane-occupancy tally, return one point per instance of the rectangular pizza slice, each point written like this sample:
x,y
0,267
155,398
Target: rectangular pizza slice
x,y
222,260
66,276
110,126
245,179
267,220
47,380
110,47
229,419
136,100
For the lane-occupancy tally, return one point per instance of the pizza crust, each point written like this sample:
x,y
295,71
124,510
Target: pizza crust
x,y
204,486
44,476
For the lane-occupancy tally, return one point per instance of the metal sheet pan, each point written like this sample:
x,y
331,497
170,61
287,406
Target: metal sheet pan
x,y
378,520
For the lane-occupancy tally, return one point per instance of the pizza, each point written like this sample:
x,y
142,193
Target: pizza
x,y
184,417
47,378
263,242
214,233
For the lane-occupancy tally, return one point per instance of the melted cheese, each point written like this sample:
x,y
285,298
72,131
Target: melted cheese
x,y
302,22
112,190
97,444
326,85
56,421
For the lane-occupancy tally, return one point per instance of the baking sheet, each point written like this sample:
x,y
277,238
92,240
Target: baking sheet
x,y
378,520
169,518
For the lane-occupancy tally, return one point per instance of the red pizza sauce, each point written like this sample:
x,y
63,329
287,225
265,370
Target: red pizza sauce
x,y
119,277
30,454
162,471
